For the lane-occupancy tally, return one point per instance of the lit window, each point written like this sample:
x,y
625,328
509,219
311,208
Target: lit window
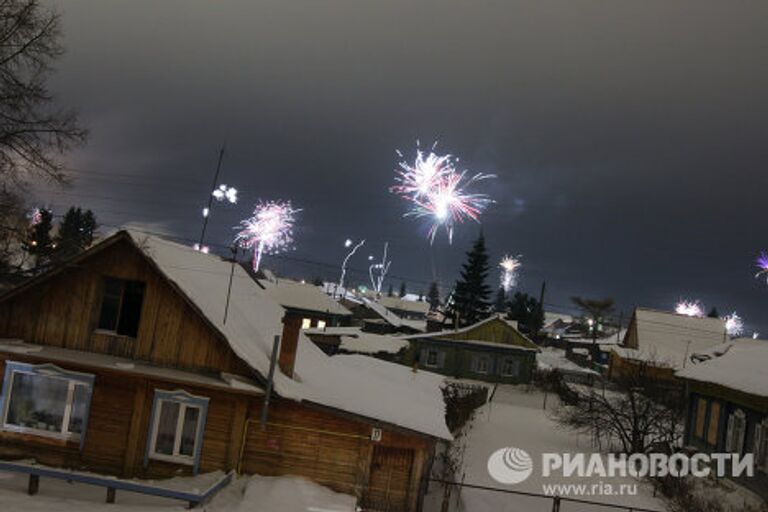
x,y
714,419
701,414
45,400
321,324
121,306
178,420
306,323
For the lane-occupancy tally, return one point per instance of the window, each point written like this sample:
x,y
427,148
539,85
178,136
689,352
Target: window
x,y
306,323
701,416
714,420
177,426
481,364
121,306
45,400
433,358
510,368
321,324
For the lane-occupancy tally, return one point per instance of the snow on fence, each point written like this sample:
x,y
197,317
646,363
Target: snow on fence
x,y
558,502
193,497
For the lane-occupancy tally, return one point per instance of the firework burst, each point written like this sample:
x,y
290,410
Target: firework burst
x,y
510,270
377,271
762,265
436,189
225,192
269,230
690,308
734,325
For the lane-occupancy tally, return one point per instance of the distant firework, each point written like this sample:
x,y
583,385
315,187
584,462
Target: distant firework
x,y
347,244
436,189
689,308
224,192
269,230
734,325
762,265
510,269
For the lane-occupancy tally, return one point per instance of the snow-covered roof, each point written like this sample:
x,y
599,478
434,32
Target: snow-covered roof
x,y
608,340
353,339
254,319
670,339
741,365
296,295
437,334
403,304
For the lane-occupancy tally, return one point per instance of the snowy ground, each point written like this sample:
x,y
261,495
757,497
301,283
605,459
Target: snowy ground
x,y
254,494
516,418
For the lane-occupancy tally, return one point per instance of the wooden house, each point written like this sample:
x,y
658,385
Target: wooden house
x,y
662,342
491,350
727,404
137,359
316,309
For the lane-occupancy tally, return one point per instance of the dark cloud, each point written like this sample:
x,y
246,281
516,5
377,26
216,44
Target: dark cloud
x,y
628,137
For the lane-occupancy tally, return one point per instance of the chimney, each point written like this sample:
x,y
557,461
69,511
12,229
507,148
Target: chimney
x,y
289,343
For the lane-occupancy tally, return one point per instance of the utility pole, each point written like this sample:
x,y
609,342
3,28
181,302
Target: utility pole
x,y
207,211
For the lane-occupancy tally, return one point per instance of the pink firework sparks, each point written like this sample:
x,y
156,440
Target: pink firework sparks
x,y
448,203
421,177
436,189
35,216
269,230
762,265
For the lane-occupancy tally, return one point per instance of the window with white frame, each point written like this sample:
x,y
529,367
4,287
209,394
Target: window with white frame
x,y
178,421
321,324
306,323
481,364
510,367
45,400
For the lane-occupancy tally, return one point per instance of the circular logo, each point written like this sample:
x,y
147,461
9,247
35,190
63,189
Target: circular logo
x,y
510,465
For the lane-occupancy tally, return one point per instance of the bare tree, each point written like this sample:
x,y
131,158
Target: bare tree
x,y
637,411
34,134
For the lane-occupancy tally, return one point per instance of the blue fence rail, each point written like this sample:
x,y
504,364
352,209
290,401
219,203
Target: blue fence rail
x,y
112,484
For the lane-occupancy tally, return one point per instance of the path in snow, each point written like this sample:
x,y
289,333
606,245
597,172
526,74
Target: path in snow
x,y
516,418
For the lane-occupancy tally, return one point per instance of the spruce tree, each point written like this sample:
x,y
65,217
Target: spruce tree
x,y
500,304
433,296
390,293
75,233
471,295
39,242
403,290
713,313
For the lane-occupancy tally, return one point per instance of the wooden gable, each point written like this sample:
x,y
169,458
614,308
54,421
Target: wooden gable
x,y
61,309
494,330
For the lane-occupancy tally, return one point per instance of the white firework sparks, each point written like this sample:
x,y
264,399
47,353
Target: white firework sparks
x,y
510,271
378,270
690,308
269,230
348,243
225,192
734,325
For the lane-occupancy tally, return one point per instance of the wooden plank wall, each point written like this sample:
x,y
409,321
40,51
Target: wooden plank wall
x,y
63,312
118,429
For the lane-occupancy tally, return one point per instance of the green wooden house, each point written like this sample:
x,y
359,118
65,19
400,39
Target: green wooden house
x,y
491,350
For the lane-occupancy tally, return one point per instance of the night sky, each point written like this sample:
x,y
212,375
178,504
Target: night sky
x,y
629,138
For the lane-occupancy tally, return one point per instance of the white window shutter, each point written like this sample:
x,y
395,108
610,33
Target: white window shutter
x,y
729,434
